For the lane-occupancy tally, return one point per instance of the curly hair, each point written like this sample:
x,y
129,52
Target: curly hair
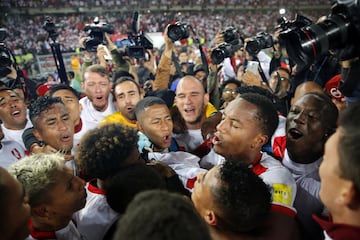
x,y
37,174
243,199
103,151
267,116
40,105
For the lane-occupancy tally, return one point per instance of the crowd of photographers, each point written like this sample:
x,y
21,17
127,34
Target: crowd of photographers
x,y
28,35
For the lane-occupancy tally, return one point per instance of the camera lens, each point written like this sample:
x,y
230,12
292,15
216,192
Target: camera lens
x,y
223,51
307,44
178,31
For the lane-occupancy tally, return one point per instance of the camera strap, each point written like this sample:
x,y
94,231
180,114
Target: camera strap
x,y
262,74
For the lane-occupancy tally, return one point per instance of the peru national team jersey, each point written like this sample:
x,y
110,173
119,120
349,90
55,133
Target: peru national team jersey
x,y
95,219
185,164
66,233
280,180
10,152
90,116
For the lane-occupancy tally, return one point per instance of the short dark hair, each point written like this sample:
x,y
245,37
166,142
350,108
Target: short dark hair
x,y
119,192
58,87
242,197
329,111
125,79
147,102
267,115
232,80
256,89
40,105
103,151
120,74
160,215
349,144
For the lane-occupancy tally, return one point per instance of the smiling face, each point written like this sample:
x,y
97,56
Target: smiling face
x,y
127,96
17,211
72,189
238,134
12,110
191,101
156,123
305,129
97,89
55,127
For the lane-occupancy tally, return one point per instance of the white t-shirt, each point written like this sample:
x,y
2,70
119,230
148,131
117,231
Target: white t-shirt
x,y
95,219
185,164
10,152
190,140
90,116
15,135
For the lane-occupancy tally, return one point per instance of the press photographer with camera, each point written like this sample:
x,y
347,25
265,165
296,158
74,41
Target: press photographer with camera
x,y
308,43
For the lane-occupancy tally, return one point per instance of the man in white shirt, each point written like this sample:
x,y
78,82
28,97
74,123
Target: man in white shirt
x,y
98,102
13,114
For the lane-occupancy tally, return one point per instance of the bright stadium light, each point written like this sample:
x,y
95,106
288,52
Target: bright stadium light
x,y
282,11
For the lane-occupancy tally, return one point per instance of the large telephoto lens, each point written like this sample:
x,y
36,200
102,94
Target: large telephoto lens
x,y
308,44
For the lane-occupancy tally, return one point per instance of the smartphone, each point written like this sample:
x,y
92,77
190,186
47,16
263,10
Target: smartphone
x,y
253,66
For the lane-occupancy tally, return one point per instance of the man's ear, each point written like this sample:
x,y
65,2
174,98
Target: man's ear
x,y
37,135
206,99
210,218
349,196
261,140
139,127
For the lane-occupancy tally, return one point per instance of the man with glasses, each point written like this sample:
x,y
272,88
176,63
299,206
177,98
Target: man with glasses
x,y
279,84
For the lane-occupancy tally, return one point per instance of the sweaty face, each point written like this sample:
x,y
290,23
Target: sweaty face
x,y
55,127
331,182
191,100
127,96
305,130
71,103
238,130
12,110
73,197
97,89
156,123
17,211
202,196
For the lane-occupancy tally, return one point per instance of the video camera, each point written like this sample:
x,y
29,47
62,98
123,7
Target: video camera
x,y
226,49
96,32
137,42
307,42
261,41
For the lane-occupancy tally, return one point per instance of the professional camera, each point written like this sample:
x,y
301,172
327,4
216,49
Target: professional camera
x,y
231,35
5,55
224,50
96,32
178,31
309,43
232,41
261,41
138,42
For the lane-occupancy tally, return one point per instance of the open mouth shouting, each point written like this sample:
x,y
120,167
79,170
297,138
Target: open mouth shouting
x,y
294,134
